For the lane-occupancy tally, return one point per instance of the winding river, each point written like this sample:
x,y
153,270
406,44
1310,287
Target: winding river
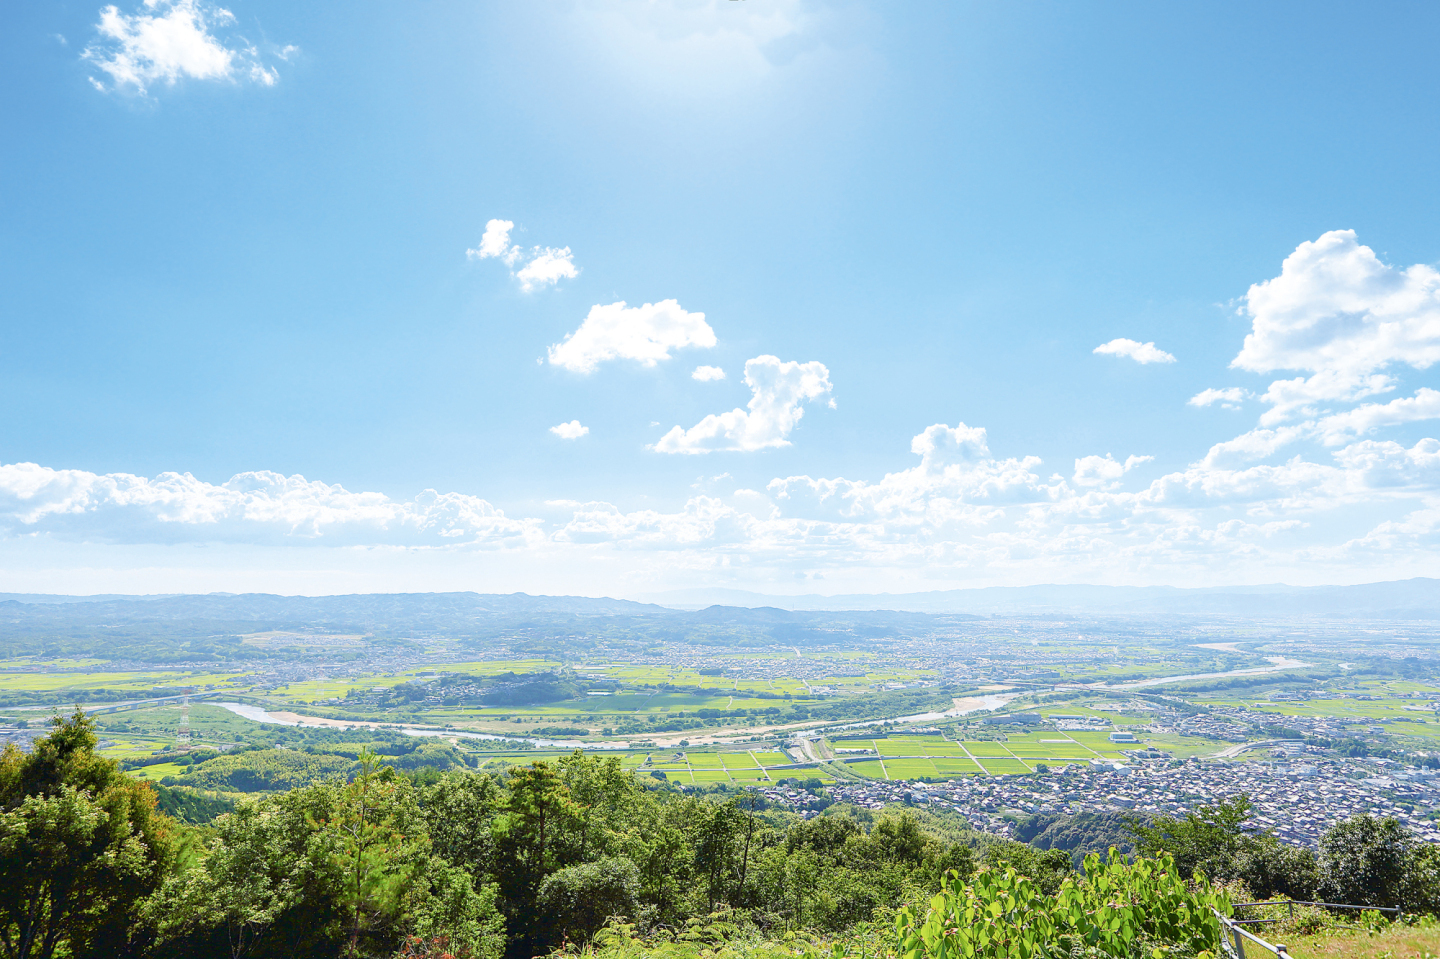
x,y
965,706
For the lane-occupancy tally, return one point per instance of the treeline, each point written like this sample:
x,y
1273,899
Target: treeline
x,y
1365,861
261,769
372,862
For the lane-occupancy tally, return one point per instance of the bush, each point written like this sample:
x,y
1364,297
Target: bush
x,y
1113,910
1366,861
580,899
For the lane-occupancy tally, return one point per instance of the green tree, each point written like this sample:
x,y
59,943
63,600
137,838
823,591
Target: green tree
x,y
459,810
1269,868
578,900
601,794
383,847
536,823
1206,839
271,883
1366,861
80,846
447,908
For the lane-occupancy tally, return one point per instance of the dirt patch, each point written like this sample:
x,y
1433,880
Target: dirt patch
x,y
289,717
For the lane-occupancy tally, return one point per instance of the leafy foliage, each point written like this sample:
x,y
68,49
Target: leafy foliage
x,y
370,861
80,845
1115,909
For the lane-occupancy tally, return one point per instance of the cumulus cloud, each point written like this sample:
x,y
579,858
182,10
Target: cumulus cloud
x,y
1341,427
1104,471
708,374
1365,505
1230,398
1139,352
539,266
645,334
547,266
570,431
1304,396
779,391
495,243
250,508
1335,307
1350,324
1254,445
169,40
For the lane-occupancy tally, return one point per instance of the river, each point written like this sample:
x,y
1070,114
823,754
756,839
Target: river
x,y
258,714
965,706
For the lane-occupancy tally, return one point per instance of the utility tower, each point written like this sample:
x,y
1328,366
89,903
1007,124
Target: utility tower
x,y
182,736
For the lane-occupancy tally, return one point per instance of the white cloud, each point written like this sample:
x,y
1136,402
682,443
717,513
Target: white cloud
x,y
778,389
570,431
1335,307
547,266
1254,445
1341,427
541,265
952,512
1230,398
1304,396
1347,321
1104,471
253,508
645,334
708,374
169,40
1139,352
495,244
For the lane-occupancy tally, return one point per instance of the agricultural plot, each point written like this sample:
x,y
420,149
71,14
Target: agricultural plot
x,y
1005,767
1095,740
948,750
128,748
27,681
899,747
160,771
1183,747
752,775
987,749
705,760
909,768
870,768
709,776
676,772
1070,752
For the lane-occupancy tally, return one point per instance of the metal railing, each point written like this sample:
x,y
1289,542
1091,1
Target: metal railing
x,y
1235,936
1292,903
1233,939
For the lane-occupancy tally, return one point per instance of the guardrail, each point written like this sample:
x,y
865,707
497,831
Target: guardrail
x,y
1292,903
1235,936
1233,939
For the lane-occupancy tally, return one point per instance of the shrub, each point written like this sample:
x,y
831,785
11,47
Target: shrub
x,y
1115,909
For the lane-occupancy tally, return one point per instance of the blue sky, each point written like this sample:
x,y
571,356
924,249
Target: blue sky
x,y
234,249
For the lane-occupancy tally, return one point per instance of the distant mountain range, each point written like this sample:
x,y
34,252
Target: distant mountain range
x,y
394,610
444,612
1402,599
190,628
